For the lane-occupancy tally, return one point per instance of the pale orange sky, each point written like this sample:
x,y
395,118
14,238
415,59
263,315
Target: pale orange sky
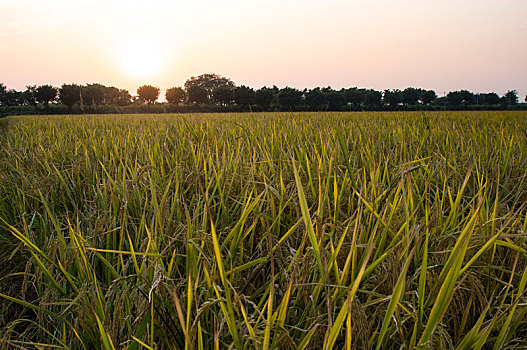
x,y
441,45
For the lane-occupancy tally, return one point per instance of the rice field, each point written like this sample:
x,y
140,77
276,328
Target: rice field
x,y
264,231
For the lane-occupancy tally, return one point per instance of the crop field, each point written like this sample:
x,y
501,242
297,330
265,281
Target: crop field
x,y
264,231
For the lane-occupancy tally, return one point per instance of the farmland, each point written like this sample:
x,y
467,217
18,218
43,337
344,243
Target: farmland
x,y
264,231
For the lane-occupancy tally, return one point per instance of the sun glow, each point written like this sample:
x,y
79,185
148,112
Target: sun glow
x,y
141,59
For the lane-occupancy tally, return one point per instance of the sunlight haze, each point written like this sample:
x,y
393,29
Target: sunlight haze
x,y
447,45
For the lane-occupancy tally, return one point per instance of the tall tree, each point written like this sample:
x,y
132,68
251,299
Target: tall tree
x,y
428,97
3,93
372,98
410,96
392,98
175,95
224,95
264,97
148,93
354,96
289,98
29,95
316,99
46,94
244,96
510,98
459,98
69,94
11,97
489,99
94,94
118,97
336,100
197,94
208,81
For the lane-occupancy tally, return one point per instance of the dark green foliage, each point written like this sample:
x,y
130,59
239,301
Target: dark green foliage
x,y
459,98
70,94
289,98
95,94
428,97
214,93
491,98
244,96
197,94
316,99
264,97
336,100
410,96
372,98
510,98
224,95
45,94
392,98
209,82
354,97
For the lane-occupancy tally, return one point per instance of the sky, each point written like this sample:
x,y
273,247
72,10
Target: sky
x,y
442,45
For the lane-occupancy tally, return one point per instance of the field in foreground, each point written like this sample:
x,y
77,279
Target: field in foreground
x,y
304,231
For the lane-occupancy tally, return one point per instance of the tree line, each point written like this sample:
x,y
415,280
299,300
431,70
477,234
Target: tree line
x,y
212,92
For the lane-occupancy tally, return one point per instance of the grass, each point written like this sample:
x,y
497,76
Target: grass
x,y
264,231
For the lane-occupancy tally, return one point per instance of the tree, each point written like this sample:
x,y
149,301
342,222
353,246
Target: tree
x,y
525,98
3,92
209,82
118,97
316,99
69,94
29,95
354,96
223,95
336,100
458,98
454,98
175,95
148,93
510,98
12,97
428,97
392,98
264,97
489,99
244,96
410,96
46,94
197,94
94,94
440,101
289,98
372,98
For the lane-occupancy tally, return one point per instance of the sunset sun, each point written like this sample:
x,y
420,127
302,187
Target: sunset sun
x,y
140,60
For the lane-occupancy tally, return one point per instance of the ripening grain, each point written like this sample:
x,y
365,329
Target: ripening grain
x,y
264,231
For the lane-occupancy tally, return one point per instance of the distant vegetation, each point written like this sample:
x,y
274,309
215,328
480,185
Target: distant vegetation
x,y
213,93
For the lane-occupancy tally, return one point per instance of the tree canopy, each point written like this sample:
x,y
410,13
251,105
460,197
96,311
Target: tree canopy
x,y
209,81
212,92
148,93
175,95
197,94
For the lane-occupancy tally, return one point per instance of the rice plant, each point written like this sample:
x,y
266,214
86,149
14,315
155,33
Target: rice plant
x,y
264,231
